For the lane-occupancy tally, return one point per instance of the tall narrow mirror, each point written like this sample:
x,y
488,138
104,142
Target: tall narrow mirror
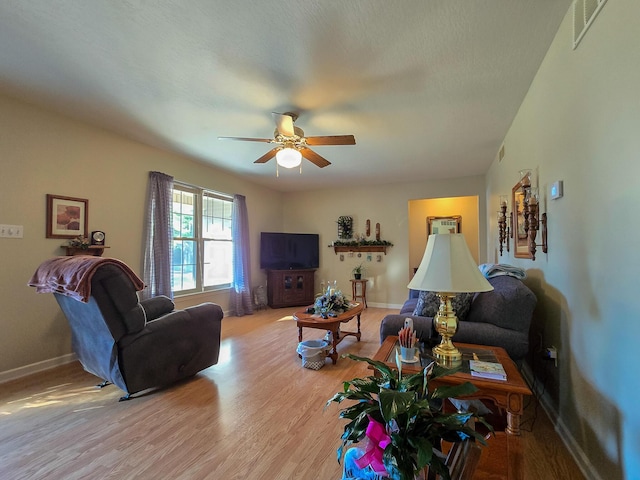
x,y
520,238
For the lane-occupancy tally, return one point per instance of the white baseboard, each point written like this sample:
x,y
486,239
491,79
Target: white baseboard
x,y
19,372
561,429
384,305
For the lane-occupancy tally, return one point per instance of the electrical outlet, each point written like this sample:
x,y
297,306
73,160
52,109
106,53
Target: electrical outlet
x,y
552,354
11,231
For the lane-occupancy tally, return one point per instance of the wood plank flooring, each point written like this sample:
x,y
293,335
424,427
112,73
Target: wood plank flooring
x,y
258,414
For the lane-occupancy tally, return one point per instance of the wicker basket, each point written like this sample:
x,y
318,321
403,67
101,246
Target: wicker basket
x,y
313,353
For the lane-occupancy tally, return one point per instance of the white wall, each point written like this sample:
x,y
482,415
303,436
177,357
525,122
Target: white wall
x,y
42,153
580,123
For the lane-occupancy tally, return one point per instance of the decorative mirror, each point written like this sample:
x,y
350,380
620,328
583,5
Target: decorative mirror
x,y
519,227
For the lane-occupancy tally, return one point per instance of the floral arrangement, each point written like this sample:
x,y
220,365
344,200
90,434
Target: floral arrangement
x,y
334,302
80,242
400,420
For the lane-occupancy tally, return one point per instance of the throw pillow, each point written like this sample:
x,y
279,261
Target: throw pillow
x,y
429,303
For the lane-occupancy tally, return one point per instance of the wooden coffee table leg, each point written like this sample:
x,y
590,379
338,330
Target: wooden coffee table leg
x,y
299,334
336,340
514,411
358,335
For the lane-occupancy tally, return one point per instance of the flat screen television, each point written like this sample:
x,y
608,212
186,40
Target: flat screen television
x,y
288,251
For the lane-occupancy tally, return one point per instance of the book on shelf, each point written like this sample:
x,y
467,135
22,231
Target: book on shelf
x,y
492,370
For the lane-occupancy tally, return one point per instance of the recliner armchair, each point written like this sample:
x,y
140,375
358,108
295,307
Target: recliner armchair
x,y
133,344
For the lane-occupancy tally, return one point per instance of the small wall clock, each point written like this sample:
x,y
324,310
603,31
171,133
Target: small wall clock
x,y
97,237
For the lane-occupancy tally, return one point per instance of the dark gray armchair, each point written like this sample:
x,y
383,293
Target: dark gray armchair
x,y
137,345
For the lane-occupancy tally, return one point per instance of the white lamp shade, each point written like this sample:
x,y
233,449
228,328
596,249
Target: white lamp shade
x,y
448,267
288,157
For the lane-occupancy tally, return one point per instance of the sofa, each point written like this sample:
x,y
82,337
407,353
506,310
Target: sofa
x,y
133,344
500,317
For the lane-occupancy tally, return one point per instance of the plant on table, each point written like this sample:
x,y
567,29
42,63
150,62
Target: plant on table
x,y
331,302
405,417
358,271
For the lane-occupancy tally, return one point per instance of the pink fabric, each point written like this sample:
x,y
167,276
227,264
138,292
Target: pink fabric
x,y
378,441
71,276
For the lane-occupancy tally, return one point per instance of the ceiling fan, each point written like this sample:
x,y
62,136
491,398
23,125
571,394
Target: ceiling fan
x,y
292,145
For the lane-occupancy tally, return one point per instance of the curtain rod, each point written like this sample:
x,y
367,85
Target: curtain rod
x,y
226,195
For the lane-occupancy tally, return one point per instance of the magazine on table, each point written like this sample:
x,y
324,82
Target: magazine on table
x,y
492,370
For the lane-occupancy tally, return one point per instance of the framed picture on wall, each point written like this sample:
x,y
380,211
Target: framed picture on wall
x,y
67,217
446,225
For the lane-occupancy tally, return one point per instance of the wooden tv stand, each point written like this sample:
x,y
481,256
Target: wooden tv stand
x,y
290,288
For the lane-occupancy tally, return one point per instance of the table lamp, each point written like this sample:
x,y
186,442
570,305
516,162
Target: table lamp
x,y
447,268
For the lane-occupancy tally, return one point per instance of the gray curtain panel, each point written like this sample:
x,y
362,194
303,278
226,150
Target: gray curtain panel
x,y
156,260
240,302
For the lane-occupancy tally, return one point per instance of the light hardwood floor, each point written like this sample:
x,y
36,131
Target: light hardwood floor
x,y
258,414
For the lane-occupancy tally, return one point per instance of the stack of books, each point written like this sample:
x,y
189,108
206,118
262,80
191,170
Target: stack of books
x,y
491,370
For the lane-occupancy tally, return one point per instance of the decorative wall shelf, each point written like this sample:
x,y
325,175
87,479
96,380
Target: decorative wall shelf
x,y
361,248
94,250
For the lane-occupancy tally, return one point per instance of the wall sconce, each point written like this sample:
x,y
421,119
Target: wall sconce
x,y
503,226
529,213
534,224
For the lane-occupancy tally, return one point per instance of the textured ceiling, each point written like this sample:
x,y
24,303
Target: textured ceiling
x,y
428,87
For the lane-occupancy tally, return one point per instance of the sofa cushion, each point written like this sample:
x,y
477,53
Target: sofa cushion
x,y
509,305
428,304
409,306
156,307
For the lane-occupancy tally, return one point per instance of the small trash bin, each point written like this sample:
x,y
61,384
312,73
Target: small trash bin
x,y
313,353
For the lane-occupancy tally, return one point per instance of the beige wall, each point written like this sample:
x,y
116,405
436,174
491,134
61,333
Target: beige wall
x,y
318,211
579,123
42,153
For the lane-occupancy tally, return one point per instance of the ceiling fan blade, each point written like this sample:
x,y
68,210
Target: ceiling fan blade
x,y
246,139
268,156
314,158
284,124
332,140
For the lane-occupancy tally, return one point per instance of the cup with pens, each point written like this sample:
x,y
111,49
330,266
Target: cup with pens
x,y
408,339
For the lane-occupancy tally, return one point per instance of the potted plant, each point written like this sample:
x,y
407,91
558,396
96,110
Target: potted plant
x,y
404,417
357,271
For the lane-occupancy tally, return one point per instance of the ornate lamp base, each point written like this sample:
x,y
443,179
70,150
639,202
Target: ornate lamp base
x,y
446,324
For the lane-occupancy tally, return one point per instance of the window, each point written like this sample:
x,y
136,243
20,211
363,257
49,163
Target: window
x,y
202,245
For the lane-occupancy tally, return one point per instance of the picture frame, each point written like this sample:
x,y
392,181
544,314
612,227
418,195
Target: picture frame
x,y
444,225
67,217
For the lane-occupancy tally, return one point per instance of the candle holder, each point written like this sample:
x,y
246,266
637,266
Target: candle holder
x,y
526,219
534,225
503,228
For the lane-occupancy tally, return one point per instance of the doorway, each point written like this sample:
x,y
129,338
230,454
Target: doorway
x,y
419,212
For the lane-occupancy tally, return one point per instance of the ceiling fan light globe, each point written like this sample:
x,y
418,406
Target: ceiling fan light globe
x,y
289,158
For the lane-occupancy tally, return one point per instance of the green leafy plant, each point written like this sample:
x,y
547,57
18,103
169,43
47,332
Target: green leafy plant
x,y
358,269
411,413
80,242
361,243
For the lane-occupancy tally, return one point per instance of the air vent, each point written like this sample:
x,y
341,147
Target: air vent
x,y
584,12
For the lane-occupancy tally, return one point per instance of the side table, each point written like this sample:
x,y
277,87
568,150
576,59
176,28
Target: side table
x,y
506,395
363,290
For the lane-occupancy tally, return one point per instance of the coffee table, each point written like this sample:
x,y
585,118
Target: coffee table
x,y
331,324
506,395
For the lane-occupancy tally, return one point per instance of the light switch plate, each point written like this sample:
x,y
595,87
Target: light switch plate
x,y
11,231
